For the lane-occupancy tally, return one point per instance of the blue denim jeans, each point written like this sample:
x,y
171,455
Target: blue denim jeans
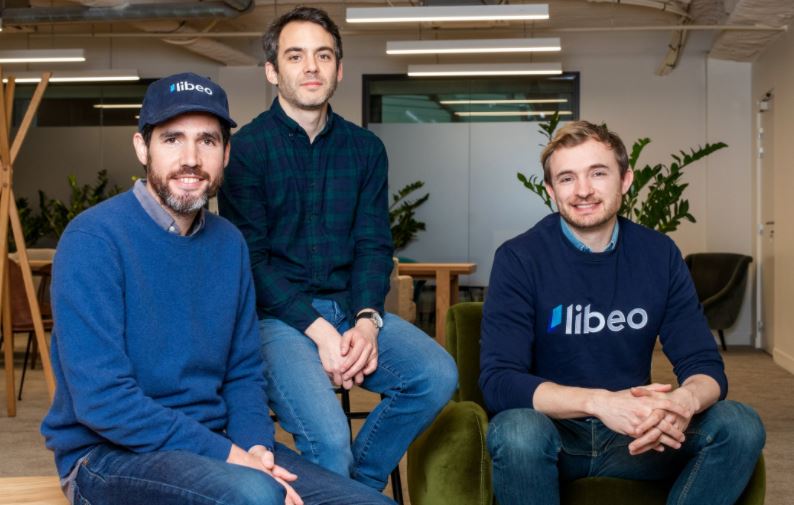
x,y
530,451
111,475
415,376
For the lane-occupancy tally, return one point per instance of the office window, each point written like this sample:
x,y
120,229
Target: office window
x,y
401,99
83,104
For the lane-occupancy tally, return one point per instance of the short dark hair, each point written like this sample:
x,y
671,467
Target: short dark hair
x,y
579,132
307,14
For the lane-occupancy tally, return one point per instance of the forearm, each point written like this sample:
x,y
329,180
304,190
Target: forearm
x,y
566,402
705,391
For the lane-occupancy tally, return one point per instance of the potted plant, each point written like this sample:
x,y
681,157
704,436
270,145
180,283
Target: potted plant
x,y
656,197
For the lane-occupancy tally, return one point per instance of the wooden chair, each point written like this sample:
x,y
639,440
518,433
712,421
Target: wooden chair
x,y
22,321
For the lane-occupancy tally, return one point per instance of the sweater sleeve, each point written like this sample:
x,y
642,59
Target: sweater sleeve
x,y
243,201
89,308
507,336
244,386
685,335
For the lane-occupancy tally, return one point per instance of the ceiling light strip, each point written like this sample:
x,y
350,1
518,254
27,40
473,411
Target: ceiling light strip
x,y
42,56
522,12
514,113
492,69
473,46
117,105
503,102
78,76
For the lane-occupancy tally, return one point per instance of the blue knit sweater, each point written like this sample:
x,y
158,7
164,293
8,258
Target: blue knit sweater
x,y
589,319
155,345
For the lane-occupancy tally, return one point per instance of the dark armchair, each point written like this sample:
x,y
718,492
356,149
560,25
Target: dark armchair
x,y
720,280
449,462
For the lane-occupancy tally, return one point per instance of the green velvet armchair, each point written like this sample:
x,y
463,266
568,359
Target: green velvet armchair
x,y
449,463
720,279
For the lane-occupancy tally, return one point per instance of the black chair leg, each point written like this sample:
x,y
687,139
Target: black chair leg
x,y
722,339
25,365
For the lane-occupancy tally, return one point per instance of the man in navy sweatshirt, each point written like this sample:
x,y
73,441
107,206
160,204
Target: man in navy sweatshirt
x,y
160,397
574,308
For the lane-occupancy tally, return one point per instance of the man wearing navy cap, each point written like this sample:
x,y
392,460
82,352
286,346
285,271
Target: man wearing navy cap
x,y
160,396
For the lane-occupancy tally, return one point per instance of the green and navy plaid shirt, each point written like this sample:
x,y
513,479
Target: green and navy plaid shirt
x,y
315,215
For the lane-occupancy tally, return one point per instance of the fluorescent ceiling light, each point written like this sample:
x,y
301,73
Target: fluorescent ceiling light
x,y
117,105
486,69
473,46
522,12
42,56
78,76
503,102
515,113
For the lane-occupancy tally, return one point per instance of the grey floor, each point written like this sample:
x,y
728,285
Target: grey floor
x,y
754,377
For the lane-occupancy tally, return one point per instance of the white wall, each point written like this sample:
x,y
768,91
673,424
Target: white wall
x,y
700,101
774,70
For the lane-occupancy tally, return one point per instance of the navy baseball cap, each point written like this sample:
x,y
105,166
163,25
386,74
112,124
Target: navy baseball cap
x,y
182,93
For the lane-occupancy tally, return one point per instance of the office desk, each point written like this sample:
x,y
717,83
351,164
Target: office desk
x,y
446,277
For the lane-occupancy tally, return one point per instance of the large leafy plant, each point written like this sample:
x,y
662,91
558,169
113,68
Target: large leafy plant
x,y
656,197
402,212
53,215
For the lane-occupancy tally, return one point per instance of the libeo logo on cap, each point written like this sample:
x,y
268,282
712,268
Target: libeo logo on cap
x,y
189,86
578,322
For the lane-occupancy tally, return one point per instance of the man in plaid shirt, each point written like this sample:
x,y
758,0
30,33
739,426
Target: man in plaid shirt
x,y
308,190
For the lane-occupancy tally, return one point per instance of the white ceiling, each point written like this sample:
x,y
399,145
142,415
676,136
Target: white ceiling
x,y
209,36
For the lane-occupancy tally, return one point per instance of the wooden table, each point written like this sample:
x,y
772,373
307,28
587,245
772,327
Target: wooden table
x,y
446,277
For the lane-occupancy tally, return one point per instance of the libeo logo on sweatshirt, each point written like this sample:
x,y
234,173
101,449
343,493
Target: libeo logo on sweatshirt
x,y
189,86
578,321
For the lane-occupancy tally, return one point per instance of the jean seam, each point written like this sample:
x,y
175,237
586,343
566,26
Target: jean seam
x,y
298,421
386,406
693,474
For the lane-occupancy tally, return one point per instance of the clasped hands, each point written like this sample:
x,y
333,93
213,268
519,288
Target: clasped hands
x,y
260,458
348,357
656,416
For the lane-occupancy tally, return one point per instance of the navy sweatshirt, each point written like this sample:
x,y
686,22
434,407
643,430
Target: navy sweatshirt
x,y
155,345
554,313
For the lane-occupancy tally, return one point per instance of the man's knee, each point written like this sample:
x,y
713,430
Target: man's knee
x,y
522,435
440,378
254,487
737,424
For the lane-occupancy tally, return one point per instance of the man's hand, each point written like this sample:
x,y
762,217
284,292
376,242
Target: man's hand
x,y
329,345
625,413
360,348
259,458
664,428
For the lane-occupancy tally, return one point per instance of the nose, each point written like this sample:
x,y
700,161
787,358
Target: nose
x,y
583,187
190,155
311,65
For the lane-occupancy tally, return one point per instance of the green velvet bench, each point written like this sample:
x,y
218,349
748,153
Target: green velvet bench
x,y
449,462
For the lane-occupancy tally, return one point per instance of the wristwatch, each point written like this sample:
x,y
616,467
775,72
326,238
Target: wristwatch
x,y
372,316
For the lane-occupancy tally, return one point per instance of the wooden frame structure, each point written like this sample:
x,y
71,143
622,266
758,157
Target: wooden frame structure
x,y
9,214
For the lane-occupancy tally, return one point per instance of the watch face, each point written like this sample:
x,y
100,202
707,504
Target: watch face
x,y
378,320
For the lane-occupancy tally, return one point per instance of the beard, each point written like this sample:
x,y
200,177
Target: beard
x,y
290,94
186,204
610,210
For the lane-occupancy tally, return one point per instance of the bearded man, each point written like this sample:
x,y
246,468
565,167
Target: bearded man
x,y
160,396
572,316
309,192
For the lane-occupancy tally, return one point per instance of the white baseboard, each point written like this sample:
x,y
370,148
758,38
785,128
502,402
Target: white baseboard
x,y
784,359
